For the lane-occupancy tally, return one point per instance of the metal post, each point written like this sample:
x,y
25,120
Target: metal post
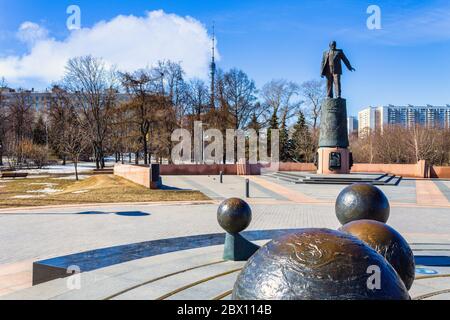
x,y
247,188
221,176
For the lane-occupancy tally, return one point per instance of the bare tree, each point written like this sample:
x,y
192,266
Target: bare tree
x,y
20,116
165,122
400,144
239,94
171,79
77,140
363,148
174,102
197,98
279,98
117,141
314,92
425,143
59,114
94,87
389,145
142,104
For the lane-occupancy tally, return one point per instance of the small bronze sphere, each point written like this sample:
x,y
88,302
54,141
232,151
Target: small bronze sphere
x,y
234,215
318,264
387,242
362,201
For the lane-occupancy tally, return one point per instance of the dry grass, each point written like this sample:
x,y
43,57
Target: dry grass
x,y
96,189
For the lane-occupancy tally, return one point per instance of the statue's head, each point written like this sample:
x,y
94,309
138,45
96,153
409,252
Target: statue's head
x,y
333,45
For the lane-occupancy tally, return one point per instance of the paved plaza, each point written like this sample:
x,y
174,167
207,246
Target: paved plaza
x,y
420,211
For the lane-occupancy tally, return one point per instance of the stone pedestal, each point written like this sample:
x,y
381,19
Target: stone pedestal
x,y
330,156
333,154
237,248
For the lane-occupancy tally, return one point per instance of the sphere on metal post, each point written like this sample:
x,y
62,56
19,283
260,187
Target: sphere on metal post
x,y
362,201
387,242
234,215
318,264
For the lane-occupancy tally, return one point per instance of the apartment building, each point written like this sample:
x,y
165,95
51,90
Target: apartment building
x,y
375,118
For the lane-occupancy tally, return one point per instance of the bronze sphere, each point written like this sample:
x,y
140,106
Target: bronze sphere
x,y
387,242
317,264
362,201
234,215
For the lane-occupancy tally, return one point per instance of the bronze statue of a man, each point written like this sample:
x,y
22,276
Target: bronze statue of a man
x,y
332,68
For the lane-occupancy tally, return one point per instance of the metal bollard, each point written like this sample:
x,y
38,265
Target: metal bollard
x,y
247,188
221,176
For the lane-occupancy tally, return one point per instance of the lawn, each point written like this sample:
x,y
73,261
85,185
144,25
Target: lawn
x,y
54,190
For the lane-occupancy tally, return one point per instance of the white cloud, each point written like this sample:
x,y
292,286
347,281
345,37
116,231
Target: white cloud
x,y
129,42
30,33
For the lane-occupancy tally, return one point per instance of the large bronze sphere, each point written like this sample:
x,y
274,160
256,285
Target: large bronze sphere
x,y
234,215
387,242
317,264
362,202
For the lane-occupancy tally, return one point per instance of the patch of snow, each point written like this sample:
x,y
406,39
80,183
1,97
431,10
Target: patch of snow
x,y
69,168
81,191
28,197
46,190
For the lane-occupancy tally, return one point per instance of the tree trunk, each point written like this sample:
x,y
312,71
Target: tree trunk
x,y
145,147
97,158
75,163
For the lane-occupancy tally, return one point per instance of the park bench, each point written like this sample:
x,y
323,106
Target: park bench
x,y
13,175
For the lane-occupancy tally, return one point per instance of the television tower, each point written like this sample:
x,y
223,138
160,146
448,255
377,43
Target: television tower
x,y
213,70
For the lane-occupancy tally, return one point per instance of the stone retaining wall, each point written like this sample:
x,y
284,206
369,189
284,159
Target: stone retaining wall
x,y
137,174
440,172
141,174
418,170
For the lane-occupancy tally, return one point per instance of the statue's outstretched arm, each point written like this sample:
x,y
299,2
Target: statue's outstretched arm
x,y
347,63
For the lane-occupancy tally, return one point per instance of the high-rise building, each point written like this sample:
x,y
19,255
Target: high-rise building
x,y
352,125
366,120
376,118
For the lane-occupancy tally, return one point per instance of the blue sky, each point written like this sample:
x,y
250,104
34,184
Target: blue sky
x,y
406,62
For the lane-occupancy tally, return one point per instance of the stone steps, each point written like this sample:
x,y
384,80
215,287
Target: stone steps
x,y
297,178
